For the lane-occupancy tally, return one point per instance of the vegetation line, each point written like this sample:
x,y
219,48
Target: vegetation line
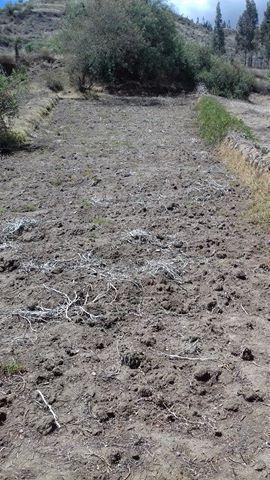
x,y
215,123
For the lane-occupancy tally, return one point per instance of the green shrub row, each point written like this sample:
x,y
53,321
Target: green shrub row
x,y
11,87
218,75
215,122
135,42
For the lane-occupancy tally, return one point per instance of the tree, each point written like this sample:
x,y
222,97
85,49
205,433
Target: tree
x,y
247,29
219,35
265,32
124,43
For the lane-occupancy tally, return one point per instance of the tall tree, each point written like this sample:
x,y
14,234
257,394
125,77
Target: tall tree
x,y
219,34
265,32
247,29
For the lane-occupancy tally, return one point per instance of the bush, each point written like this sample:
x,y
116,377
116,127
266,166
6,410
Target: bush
x,y
118,42
55,82
10,88
7,64
199,58
227,80
215,122
11,140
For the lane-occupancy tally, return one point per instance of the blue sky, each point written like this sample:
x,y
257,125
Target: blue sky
x,y
198,8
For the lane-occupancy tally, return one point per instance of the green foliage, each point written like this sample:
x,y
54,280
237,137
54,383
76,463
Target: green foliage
x,y
117,42
55,82
246,34
219,35
10,89
265,31
199,58
12,368
227,80
11,140
215,122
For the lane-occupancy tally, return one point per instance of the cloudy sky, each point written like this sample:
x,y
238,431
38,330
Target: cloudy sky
x,y
206,8
198,8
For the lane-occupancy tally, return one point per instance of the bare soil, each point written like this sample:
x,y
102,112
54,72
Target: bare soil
x,y
255,113
134,301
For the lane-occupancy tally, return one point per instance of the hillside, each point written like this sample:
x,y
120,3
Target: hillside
x,y
39,19
34,21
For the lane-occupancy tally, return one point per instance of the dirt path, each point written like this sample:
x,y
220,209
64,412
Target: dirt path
x,y
135,298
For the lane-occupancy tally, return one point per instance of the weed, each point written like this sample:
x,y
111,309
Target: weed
x,y
11,140
215,122
85,203
88,172
2,210
12,368
29,207
55,82
99,221
56,182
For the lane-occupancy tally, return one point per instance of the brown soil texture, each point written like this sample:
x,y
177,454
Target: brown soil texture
x,y
134,298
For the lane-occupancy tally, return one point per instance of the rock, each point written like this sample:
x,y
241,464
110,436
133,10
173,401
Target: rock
x,y
247,355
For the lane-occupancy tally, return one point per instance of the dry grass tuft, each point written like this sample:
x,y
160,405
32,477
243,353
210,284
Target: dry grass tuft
x,y
258,182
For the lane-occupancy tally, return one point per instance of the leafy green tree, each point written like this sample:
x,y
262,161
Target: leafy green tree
x,y
247,28
219,34
265,32
121,42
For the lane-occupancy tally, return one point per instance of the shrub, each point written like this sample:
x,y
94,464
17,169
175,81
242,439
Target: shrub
x,y
12,368
199,58
55,82
118,42
227,80
215,122
7,64
10,89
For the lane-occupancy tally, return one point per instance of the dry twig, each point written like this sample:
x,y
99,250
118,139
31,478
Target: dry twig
x,y
49,408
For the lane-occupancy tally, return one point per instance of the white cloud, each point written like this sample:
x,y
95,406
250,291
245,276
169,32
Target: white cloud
x,y
186,6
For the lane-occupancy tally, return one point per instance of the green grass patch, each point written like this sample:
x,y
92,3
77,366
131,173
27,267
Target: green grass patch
x,y
215,122
11,140
12,368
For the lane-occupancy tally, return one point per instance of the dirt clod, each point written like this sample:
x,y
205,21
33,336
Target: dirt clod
x,y
132,360
247,355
